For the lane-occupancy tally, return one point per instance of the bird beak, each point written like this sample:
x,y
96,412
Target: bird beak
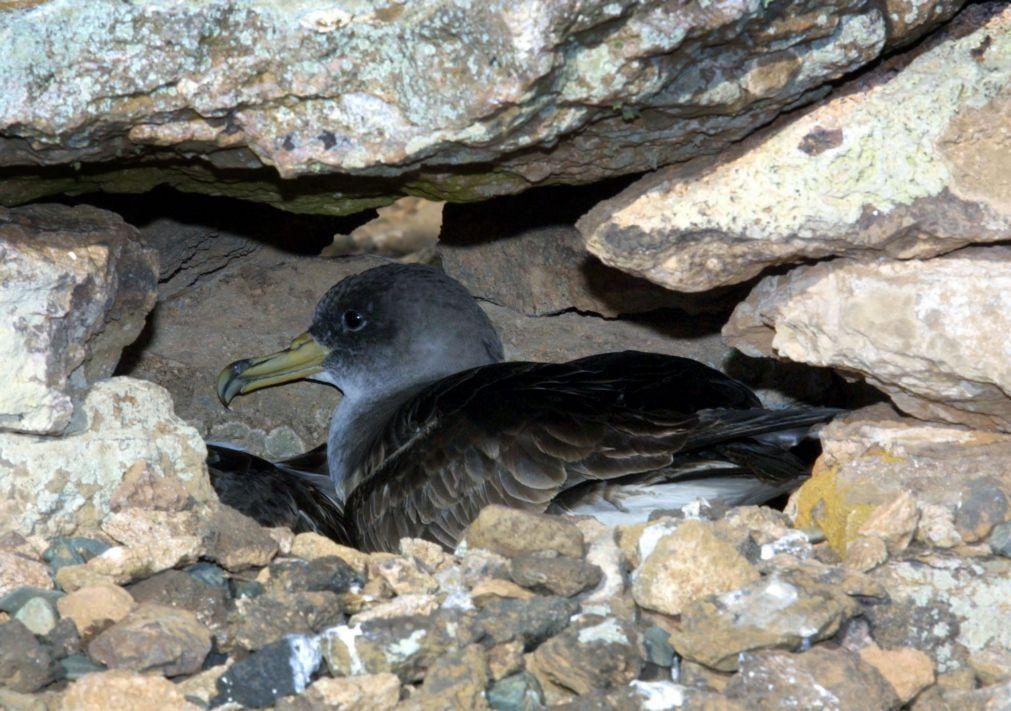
x,y
302,359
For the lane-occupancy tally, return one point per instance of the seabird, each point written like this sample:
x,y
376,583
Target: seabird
x,y
434,424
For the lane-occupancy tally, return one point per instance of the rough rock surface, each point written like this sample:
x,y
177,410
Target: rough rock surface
x,y
75,287
56,486
118,688
563,91
925,332
909,163
154,638
873,456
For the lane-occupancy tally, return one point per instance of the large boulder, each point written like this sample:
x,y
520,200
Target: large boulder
x,y
911,162
451,100
55,486
932,334
75,288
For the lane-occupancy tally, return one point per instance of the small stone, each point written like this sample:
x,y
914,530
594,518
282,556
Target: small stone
x,y
937,527
281,668
369,692
16,571
328,573
687,565
154,638
137,527
991,665
511,532
817,679
239,588
505,659
38,615
64,639
75,577
656,643
400,606
491,588
402,575
313,545
72,551
529,621
176,588
600,654
984,505
237,541
604,553
16,599
430,556
908,670
92,609
865,553
1000,540
554,574
125,564
779,611
284,537
202,686
456,680
893,522
77,665
120,689
259,621
519,692
25,664
208,574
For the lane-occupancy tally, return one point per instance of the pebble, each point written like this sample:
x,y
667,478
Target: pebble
x,y
908,670
401,575
554,574
121,689
136,527
328,573
401,606
894,523
512,532
25,664
456,680
530,621
984,505
92,609
519,692
16,599
312,545
38,615
176,588
208,574
1000,539
17,571
820,678
686,565
259,621
236,541
73,550
154,637
75,666
124,564
369,692
280,669
600,653
865,553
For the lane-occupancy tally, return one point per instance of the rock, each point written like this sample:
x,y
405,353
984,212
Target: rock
x,y
491,588
554,574
930,357
64,639
237,541
592,92
202,686
817,679
174,588
125,690
937,527
946,606
75,577
984,505
402,575
401,606
154,638
430,557
360,693
58,485
778,611
529,621
872,456
893,522
259,621
991,665
519,692
602,653
908,670
124,564
505,659
456,680
865,553
138,527
74,550
38,615
411,225
895,148
76,666
511,532
25,665
329,573
77,286
312,545
686,565
17,571
1000,539
281,668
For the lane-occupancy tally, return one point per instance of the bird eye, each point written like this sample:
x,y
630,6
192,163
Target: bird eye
x,y
353,320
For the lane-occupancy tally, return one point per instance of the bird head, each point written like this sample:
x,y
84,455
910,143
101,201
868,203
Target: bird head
x,y
378,332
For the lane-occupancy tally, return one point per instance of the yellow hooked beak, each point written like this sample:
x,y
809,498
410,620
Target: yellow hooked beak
x,y
302,359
